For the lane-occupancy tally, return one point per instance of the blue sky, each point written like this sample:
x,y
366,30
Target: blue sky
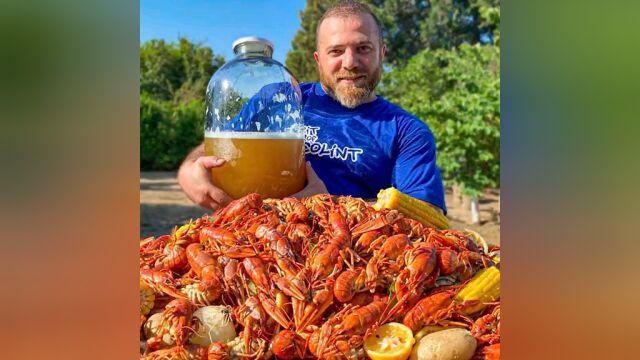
x,y
217,23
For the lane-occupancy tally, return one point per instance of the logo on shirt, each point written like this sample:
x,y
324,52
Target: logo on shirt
x,y
312,146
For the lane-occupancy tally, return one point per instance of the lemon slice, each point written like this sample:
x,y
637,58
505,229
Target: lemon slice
x,y
392,341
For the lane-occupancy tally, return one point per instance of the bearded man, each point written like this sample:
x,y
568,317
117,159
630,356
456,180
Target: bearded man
x,y
356,142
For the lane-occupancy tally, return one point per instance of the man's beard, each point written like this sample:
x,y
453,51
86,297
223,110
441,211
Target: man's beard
x,y
350,95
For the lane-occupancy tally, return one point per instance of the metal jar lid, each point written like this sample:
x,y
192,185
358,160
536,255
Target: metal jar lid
x,y
252,44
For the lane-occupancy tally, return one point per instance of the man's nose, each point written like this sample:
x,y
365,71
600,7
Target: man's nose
x,y
349,60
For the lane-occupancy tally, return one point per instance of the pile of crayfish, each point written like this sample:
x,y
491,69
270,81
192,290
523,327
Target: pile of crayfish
x,y
309,278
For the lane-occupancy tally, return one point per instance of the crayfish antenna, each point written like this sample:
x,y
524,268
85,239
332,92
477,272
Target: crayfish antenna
x,y
390,310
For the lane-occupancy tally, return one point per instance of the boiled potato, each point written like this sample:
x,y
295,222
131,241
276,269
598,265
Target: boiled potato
x,y
429,329
450,344
213,324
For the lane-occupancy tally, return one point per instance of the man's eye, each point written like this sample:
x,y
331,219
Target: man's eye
x,y
335,52
365,48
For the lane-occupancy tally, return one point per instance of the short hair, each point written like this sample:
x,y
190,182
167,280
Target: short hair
x,y
347,8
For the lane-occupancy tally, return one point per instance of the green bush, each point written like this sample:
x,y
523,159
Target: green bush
x,y
168,132
457,93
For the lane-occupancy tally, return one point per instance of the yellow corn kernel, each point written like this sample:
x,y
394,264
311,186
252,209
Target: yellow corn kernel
x,y
147,298
281,299
416,209
484,287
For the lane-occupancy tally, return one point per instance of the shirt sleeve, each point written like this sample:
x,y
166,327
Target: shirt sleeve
x,y
415,171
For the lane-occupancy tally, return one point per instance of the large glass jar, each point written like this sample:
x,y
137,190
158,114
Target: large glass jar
x,y
253,120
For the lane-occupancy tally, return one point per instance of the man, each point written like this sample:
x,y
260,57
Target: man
x,y
356,142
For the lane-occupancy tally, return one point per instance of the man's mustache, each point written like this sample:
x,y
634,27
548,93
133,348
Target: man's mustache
x,y
349,75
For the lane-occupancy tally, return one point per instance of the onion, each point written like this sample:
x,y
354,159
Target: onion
x,y
212,323
151,329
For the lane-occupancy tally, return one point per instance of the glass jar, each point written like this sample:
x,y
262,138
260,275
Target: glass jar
x,y
253,120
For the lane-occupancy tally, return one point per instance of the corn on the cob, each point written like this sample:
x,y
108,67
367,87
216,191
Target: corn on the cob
x,y
147,298
416,209
484,287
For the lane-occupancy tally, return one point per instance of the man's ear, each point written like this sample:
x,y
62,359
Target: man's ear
x,y
383,51
316,57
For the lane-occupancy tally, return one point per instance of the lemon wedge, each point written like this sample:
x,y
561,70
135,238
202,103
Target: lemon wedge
x,y
392,341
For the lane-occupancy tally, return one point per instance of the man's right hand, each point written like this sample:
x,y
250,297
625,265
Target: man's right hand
x,y
194,177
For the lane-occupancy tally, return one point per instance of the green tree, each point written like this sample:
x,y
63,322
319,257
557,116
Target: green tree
x,y
178,72
489,17
168,131
173,80
408,26
199,64
300,59
160,69
450,23
457,93
400,21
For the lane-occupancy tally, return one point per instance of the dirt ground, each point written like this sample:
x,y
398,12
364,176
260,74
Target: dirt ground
x,y
163,205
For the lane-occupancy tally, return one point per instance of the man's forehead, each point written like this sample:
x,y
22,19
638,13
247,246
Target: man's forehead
x,y
352,28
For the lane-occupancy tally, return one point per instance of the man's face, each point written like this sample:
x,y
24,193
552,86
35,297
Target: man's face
x,y
349,58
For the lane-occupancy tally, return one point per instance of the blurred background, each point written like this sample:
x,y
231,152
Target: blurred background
x,y
442,64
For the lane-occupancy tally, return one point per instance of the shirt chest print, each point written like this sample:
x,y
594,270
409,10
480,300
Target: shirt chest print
x,y
312,146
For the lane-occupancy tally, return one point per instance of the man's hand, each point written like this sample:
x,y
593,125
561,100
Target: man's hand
x,y
194,177
314,185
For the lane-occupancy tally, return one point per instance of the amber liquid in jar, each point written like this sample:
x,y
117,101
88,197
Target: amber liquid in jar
x,y
271,164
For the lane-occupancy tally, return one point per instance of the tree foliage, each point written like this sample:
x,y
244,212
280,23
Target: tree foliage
x,y
450,23
400,21
173,80
408,26
300,59
457,93
168,131
489,18
177,72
